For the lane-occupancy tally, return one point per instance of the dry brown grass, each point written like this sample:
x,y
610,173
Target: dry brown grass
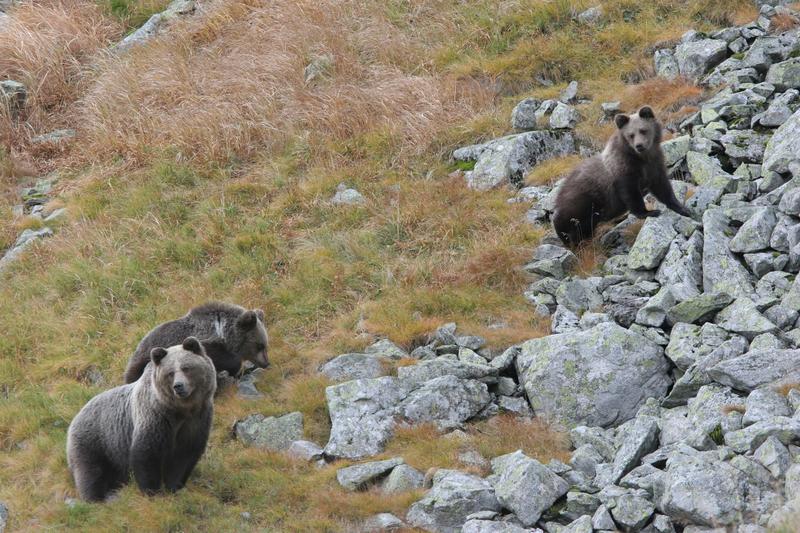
x,y
243,90
46,46
783,22
550,171
735,408
591,256
786,388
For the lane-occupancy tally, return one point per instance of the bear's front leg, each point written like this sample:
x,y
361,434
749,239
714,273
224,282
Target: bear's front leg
x,y
631,197
190,443
147,456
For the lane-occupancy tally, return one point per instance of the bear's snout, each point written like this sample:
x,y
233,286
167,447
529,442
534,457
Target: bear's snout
x,y
640,148
181,390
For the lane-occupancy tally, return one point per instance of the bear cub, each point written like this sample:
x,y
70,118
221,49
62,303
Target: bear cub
x,y
229,334
607,185
157,427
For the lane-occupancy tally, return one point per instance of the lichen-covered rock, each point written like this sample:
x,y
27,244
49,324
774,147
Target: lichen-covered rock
x,y
655,310
446,401
403,478
636,438
702,491
382,522
742,317
774,456
270,433
155,24
748,439
362,415
682,267
722,272
754,235
652,243
763,404
665,63
525,486
598,377
744,145
523,117
757,368
564,117
698,308
579,296
350,366
424,371
553,261
453,497
506,160
491,526
784,145
358,476
784,75
698,57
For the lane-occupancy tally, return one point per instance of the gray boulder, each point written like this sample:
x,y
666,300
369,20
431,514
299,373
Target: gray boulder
x,y
698,308
362,415
25,239
525,486
652,243
523,117
666,64
698,57
784,75
306,450
446,401
506,160
453,497
403,478
382,522
757,368
156,24
598,377
359,476
635,438
425,371
722,272
784,145
742,317
748,439
763,404
270,433
564,117
351,366
702,491
754,235
553,261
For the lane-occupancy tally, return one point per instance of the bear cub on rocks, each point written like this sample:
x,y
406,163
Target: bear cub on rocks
x,y
607,185
229,334
157,427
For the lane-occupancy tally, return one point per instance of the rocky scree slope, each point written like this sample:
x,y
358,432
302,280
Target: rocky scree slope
x,y
676,369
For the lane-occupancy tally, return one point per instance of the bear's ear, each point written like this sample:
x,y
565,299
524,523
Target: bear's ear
x,y
620,119
247,320
646,112
157,354
260,314
193,345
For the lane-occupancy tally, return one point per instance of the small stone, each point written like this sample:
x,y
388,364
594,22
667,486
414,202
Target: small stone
x,y
320,66
347,196
306,450
564,117
382,522
523,117
403,478
590,16
570,94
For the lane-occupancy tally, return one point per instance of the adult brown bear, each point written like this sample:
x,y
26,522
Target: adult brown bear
x,y
607,185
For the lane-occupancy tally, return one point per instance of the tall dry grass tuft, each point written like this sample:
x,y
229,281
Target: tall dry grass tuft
x,y
46,46
243,90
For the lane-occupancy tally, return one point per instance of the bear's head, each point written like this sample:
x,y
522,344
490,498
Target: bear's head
x,y
250,338
184,375
641,131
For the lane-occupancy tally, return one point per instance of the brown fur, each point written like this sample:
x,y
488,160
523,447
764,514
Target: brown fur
x,y
607,185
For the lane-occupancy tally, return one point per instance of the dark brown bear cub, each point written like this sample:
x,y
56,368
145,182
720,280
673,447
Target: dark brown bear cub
x,y
607,185
229,333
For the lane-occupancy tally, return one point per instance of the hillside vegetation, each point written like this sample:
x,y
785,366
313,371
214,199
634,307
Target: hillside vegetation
x,y
202,169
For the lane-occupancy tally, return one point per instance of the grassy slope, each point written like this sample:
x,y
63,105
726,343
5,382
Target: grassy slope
x,y
203,170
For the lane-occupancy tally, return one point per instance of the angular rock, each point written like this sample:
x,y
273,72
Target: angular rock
x,y
763,404
508,159
579,296
757,368
701,491
386,348
698,57
655,310
742,317
722,272
698,309
347,196
774,456
353,366
652,243
784,145
358,476
525,486
784,75
750,438
382,522
553,261
564,117
598,377
636,438
306,450
425,371
523,116
362,415
446,401
403,478
490,526
452,498
270,433
755,234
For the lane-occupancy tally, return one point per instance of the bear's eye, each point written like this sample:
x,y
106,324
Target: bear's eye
x,y
171,373
260,347
643,132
